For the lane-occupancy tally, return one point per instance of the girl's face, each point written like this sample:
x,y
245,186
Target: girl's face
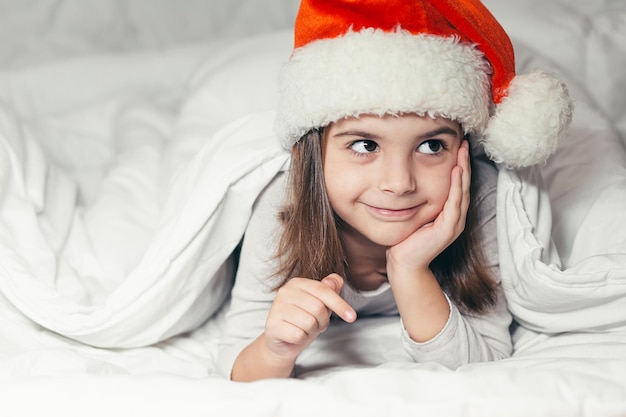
x,y
388,176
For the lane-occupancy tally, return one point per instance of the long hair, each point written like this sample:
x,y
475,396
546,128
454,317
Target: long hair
x,y
310,244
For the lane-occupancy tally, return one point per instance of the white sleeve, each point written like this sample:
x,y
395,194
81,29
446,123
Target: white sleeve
x,y
252,295
466,339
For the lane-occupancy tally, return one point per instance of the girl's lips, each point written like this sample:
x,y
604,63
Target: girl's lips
x,y
396,214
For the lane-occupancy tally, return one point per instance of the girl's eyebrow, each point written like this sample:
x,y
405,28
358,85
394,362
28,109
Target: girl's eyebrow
x,y
443,130
359,133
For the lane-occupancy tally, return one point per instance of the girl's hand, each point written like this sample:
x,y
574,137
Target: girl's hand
x,y
300,312
426,243
421,302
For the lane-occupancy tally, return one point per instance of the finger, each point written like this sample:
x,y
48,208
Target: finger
x,y
310,323
291,324
330,296
286,331
464,162
334,281
455,195
300,306
452,217
463,155
459,196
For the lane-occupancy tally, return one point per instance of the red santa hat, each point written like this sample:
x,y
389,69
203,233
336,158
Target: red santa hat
x,y
448,58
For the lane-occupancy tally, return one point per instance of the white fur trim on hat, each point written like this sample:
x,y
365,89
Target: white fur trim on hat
x,y
378,72
529,122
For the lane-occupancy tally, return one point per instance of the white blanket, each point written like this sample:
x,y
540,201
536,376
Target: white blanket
x,y
117,221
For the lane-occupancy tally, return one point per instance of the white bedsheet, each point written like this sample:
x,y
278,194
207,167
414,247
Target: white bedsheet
x,y
116,224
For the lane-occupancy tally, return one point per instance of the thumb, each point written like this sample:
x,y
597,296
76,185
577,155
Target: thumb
x,y
334,281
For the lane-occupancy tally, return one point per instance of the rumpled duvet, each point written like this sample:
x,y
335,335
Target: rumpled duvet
x,y
127,176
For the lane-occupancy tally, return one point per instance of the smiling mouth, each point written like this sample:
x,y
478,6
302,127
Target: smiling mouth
x,y
392,213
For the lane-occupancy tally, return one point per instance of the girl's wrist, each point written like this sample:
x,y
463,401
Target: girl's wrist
x,y
273,359
412,269
421,302
258,361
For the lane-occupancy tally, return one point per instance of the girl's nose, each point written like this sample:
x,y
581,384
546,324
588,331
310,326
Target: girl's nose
x,y
397,177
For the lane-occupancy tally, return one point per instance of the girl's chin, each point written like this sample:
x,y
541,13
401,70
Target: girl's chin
x,y
390,240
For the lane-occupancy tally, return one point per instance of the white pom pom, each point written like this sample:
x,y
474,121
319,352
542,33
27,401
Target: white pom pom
x,y
529,123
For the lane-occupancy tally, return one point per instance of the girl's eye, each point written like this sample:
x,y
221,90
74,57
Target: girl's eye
x,y
431,147
364,146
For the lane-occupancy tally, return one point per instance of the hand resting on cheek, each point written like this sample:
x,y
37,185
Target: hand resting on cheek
x,y
426,243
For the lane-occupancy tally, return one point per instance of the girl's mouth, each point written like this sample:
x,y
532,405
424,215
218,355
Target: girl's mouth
x,y
392,213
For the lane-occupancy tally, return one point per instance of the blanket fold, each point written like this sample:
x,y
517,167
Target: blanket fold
x,y
562,233
184,275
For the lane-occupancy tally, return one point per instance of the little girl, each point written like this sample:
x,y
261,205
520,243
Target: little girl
x,y
389,204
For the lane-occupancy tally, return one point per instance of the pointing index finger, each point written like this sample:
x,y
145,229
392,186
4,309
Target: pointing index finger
x,y
328,293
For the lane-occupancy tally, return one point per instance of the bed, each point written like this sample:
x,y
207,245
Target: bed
x,y
118,226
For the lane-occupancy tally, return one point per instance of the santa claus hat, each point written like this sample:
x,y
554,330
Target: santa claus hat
x,y
448,58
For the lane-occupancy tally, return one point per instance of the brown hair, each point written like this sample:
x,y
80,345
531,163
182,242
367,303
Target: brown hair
x,y
310,243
